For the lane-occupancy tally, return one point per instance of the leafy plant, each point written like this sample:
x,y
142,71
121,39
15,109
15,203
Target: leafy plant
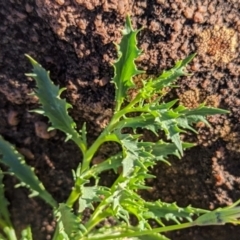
x,y
121,201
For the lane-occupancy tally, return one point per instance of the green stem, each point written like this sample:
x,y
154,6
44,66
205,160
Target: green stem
x,y
55,236
73,197
11,234
121,113
99,214
87,158
140,233
79,143
88,155
84,167
101,209
104,137
100,217
8,230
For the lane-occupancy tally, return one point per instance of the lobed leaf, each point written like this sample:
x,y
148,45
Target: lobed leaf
x,y
161,150
164,118
113,163
166,79
201,110
124,67
170,211
220,216
167,122
145,154
53,106
88,196
69,223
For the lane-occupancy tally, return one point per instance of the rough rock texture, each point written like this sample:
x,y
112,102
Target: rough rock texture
x,y
74,40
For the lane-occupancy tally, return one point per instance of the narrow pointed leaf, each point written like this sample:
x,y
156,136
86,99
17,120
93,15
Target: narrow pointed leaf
x,y
204,111
168,77
4,213
69,223
17,165
53,106
27,234
125,67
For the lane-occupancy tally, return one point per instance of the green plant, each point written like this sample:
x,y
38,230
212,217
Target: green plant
x,y
131,164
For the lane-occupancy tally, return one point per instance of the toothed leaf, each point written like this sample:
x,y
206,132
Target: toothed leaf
x,y
53,106
113,163
88,196
170,212
203,111
125,67
146,153
17,165
168,77
69,223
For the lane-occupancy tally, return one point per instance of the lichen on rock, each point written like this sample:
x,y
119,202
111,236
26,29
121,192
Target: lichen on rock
x,y
220,43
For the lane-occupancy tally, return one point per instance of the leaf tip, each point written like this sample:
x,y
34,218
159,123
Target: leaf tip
x,y
32,61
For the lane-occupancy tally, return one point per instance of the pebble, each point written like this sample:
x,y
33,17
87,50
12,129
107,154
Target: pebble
x,y
12,118
26,153
41,130
188,13
60,2
28,8
198,17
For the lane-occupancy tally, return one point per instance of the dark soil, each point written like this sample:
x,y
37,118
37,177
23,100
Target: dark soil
x,y
74,40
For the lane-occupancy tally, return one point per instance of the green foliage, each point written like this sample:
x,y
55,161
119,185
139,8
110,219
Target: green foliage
x,y
5,222
125,67
4,214
48,93
14,160
220,216
26,234
68,223
121,201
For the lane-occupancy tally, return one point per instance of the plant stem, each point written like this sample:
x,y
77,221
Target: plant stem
x,y
100,217
101,211
105,136
140,233
84,167
55,236
88,155
79,143
8,230
10,233
73,197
